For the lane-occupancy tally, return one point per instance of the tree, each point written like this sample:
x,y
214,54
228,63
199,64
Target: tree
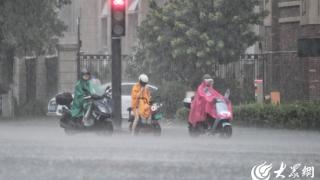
x,y
187,38
28,27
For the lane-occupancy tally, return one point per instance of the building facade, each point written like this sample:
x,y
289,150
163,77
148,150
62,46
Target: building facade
x,y
95,24
289,22
90,21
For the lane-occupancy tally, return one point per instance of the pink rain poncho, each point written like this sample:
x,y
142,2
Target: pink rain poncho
x,y
202,104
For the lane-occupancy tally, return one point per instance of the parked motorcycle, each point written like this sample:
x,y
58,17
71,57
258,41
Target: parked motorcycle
x,y
144,126
211,126
97,118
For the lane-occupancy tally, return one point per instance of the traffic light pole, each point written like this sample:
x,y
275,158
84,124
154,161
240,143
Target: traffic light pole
x,y
78,48
118,29
116,81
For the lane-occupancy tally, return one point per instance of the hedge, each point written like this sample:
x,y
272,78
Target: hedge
x,y
299,115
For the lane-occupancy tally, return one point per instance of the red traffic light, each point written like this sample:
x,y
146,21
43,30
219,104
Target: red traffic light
x,y
118,17
118,3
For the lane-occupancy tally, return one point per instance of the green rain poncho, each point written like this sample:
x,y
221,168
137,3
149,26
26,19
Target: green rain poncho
x,y
79,106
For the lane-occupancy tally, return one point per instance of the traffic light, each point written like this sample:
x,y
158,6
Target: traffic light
x,y
118,18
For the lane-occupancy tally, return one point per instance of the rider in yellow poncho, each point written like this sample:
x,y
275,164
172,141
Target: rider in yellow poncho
x,y
140,97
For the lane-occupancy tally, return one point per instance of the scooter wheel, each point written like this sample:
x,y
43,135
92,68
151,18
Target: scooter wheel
x,y
194,131
63,123
226,132
107,129
156,130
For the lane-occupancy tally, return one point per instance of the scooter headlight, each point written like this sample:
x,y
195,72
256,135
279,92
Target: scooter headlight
x,y
154,108
225,114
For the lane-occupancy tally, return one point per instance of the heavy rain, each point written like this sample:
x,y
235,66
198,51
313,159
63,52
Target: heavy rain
x,y
159,89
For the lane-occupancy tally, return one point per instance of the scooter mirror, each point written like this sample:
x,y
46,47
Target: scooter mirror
x,y
227,93
108,89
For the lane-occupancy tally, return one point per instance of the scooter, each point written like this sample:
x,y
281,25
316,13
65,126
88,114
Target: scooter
x,y
97,118
212,126
143,126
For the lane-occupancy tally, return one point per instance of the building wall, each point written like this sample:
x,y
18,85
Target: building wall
x,y
67,71
288,36
95,31
19,81
41,82
310,12
20,84
314,78
95,25
89,12
289,20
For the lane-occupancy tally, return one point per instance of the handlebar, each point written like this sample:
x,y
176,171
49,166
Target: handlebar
x,y
107,94
96,97
87,97
92,97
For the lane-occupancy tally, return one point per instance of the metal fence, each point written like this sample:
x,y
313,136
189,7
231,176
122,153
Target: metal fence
x,y
282,71
100,65
287,73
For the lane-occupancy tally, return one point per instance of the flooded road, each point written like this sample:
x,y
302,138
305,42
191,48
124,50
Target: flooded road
x,y
39,149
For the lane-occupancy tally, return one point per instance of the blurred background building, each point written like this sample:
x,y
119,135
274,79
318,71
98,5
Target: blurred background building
x,y
95,25
291,32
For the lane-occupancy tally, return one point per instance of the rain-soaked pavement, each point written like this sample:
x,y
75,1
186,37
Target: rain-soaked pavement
x,y
39,150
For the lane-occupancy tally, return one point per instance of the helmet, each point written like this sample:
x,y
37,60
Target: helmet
x,y
206,76
143,78
85,71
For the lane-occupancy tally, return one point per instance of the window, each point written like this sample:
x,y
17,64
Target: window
x,y
309,47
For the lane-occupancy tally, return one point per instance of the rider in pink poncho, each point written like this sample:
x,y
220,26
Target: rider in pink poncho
x,y
202,104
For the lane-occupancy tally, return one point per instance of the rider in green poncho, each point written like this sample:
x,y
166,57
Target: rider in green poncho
x,y
83,88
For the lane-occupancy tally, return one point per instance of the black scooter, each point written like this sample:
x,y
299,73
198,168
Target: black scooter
x,y
97,117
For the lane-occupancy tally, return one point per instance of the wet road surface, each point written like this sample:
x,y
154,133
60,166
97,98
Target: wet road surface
x,y
38,149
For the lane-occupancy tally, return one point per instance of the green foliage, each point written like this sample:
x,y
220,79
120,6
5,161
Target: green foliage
x,y
182,115
27,27
187,38
172,94
300,115
30,25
